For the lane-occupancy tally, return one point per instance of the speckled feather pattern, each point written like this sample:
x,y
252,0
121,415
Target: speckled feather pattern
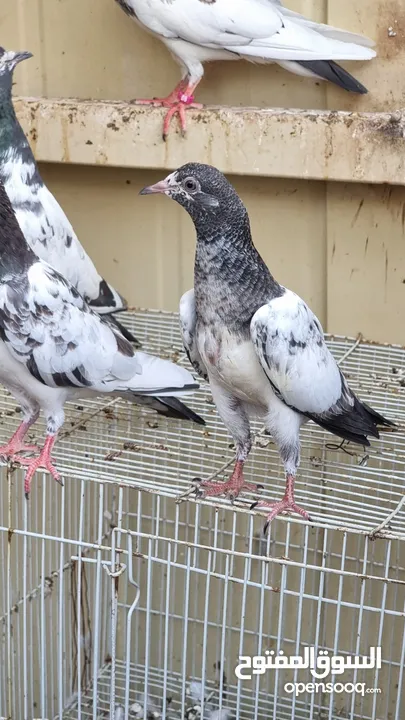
x,y
229,282
54,347
260,345
42,221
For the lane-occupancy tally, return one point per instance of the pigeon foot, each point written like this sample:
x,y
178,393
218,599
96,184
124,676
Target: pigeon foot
x,y
231,488
44,461
178,102
167,101
286,505
185,102
15,445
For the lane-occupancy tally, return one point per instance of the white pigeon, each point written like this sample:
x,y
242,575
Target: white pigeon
x,y
45,226
259,345
54,348
261,31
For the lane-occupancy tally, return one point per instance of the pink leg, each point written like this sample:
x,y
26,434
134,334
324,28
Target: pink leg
x,y
287,504
16,443
231,488
165,101
178,101
43,460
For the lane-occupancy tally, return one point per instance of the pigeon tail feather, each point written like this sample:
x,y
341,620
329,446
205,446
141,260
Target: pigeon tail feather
x,y
170,407
356,424
330,70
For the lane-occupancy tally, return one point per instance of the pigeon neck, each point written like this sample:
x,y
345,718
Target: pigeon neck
x,y
15,254
6,84
10,129
231,281
13,143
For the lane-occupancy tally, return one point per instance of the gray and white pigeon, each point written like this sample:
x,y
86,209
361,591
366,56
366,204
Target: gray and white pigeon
x,y
54,348
261,31
44,224
257,343
195,692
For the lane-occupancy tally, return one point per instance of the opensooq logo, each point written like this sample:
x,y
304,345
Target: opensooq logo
x,y
320,665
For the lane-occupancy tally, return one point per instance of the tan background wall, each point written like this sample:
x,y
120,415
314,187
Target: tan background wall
x,y
339,245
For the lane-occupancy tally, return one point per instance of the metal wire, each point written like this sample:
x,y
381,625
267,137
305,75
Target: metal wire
x,y
192,585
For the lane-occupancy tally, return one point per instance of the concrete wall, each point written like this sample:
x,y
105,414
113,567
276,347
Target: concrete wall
x,y
340,245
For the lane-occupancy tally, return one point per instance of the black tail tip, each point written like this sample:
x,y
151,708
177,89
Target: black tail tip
x,y
379,420
330,70
176,409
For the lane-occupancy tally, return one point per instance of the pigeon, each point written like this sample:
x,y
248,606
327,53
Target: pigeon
x,y
195,691
258,343
54,348
44,224
137,709
153,712
261,31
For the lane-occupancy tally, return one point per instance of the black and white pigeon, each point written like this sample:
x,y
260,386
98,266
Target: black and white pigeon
x,y
261,31
257,343
44,224
54,348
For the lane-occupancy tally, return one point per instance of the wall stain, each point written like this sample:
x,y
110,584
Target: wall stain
x,y
366,247
390,40
358,211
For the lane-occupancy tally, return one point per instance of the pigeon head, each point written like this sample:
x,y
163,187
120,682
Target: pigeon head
x,y
8,61
203,191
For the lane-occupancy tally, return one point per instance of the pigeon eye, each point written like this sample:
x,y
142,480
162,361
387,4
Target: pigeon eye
x,y
190,184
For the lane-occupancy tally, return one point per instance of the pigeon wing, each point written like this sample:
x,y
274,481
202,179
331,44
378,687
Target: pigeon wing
x,y
290,345
188,322
46,325
291,348
250,28
213,24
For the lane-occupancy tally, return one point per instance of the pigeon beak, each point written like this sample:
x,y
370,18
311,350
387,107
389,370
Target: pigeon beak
x,y
20,56
160,187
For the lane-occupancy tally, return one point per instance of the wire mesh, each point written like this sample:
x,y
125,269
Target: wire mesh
x,y
109,589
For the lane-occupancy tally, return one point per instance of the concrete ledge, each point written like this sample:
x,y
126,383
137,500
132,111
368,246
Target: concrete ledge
x,y
313,145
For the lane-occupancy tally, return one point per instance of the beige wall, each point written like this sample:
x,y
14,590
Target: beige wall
x,y
338,245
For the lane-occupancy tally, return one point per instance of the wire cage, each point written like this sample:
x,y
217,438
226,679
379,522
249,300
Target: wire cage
x,y
116,601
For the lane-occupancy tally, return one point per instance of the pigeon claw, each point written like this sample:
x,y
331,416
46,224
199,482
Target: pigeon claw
x,y
177,102
42,461
37,464
286,505
16,444
11,451
179,108
230,489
